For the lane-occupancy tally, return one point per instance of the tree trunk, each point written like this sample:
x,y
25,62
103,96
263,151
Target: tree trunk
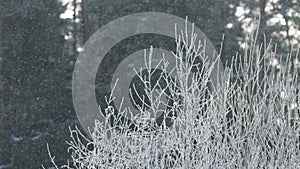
x,y
3,116
74,27
1,65
262,32
287,29
85,22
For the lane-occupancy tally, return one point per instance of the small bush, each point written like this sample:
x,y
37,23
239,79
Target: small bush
x,y
249,120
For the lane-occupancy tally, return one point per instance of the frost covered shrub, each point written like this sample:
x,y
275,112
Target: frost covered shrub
x,y
250,120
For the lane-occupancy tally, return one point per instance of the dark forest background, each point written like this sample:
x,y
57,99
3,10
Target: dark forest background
x,y
38,50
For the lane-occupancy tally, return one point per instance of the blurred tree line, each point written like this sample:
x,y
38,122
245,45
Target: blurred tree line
x,y
38,50
36,107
